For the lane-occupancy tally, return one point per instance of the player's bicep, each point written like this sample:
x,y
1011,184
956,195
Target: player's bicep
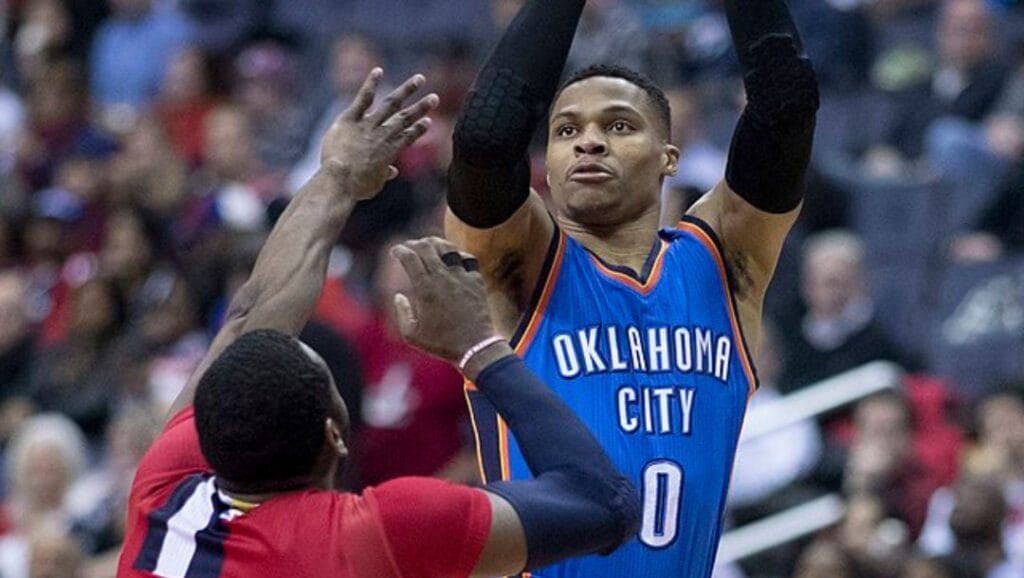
x,y
505,552
512,253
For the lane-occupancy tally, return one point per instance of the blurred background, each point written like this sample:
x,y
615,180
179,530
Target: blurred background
x,y
146,147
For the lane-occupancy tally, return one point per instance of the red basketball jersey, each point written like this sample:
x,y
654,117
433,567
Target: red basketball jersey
x,y
181,526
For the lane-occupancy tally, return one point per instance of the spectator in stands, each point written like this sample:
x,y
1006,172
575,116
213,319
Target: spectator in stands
x,y
58,124
964,84
414,411
73,376
839,331
132,49
129,259
976,521
45,33
185,102
149,172
976,155
54,554
98,500
999,457
876,542
235,187
45,457
265,88
882,461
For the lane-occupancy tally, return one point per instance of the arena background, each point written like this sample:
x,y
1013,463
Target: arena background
x,y
146,147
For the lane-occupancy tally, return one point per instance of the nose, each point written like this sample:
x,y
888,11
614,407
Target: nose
x,y
590,143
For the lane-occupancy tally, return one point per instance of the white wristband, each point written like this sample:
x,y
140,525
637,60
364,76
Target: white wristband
x,y
477,349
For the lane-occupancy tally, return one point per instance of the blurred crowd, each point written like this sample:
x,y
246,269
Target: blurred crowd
x,y
147,146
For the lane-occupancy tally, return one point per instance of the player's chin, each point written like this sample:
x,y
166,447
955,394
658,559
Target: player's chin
x,y
593,205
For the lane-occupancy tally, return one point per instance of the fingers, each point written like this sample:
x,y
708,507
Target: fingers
x,y
406,316
414,132
410,261
364,98
408,117
393,102
429,255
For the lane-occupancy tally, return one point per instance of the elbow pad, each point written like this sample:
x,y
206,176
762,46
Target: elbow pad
x,y
771,147
497,121
568,513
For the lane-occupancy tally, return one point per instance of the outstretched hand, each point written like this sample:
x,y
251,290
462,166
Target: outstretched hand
x,y
362,145
445,313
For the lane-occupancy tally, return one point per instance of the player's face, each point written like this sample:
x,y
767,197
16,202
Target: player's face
x,y
607,155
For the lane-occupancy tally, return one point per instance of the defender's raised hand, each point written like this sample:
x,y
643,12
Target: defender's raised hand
x,y
362,145
445,312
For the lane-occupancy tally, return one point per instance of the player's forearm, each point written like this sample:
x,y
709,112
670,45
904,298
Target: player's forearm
x,y
490,173
290,270
578,502
771,146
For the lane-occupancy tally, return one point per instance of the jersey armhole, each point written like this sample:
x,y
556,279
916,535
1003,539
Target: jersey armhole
x,y
703,232
534,312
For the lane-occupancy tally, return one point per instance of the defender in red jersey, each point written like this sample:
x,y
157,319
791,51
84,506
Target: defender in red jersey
x,y
240,483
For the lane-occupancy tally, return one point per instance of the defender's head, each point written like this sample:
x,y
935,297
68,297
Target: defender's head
x,y
269,416
609,146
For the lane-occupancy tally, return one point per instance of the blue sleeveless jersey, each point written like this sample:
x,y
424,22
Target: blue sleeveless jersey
x,y
658,370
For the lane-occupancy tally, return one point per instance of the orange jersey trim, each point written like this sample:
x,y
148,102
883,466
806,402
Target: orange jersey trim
x,y
709,244
538,312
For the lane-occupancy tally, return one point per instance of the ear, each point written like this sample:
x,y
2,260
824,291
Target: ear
x,y
332,433
670,160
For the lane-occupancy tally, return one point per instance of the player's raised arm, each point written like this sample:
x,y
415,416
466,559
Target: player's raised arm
x,y
577,503
753,209
357,157
491,210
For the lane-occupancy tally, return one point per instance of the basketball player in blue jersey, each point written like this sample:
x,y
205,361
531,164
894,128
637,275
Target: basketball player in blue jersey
x,y
645,333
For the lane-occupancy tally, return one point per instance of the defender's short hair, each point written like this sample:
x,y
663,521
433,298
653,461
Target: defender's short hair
x,y
655,95
260,410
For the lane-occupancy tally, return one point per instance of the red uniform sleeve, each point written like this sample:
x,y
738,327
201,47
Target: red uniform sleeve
x,y
173,456
434,529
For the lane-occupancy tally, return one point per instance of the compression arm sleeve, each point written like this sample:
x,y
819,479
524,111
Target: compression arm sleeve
x,y
577,503
771,147
489,177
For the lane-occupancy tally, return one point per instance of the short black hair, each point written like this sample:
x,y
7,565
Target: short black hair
x,y
260,410
655,94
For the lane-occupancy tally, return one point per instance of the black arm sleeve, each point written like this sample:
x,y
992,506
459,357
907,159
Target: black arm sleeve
x,y
578,502
489,177
771,147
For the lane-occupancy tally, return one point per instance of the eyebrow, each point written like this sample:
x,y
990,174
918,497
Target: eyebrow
x,y
616,108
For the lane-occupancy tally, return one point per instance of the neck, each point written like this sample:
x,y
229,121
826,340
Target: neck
x,y
625,245
254,496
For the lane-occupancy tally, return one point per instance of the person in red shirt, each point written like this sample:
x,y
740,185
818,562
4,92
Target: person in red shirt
x,y
240,482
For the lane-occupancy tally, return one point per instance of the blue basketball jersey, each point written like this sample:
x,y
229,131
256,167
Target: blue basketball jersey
x,y
658,370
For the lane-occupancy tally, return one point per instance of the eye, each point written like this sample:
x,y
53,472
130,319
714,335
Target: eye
x,y
566,130
620,126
